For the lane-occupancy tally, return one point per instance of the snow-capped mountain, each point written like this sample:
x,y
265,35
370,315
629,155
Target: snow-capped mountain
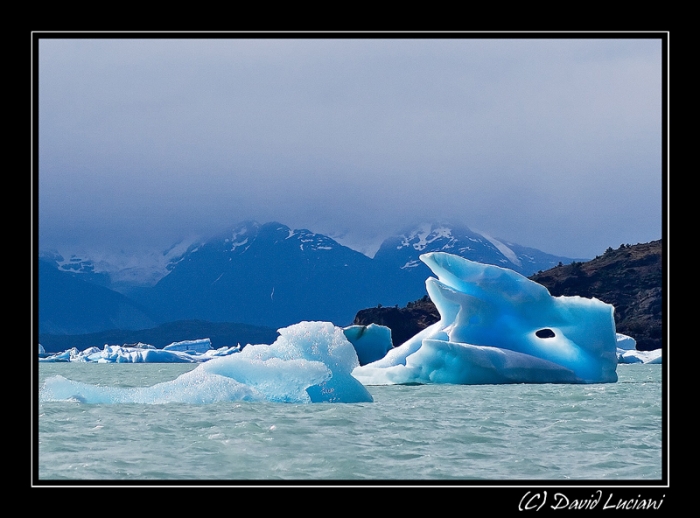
x,y
120,271
271,275
404,250
77,266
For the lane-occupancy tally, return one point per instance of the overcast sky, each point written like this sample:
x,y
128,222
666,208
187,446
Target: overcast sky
x,y
549,143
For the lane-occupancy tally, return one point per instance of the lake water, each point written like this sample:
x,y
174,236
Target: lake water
x,y
606,432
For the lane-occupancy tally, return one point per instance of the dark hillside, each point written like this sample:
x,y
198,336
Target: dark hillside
x,y
70,305
630,278
403,322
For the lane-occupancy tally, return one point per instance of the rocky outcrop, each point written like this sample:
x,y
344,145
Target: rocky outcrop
x,y
403,322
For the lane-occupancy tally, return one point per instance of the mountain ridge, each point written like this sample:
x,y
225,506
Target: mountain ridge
x,y
461,240
271,275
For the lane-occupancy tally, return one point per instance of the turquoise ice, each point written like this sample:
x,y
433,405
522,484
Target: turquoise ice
x,y
497,326
310,362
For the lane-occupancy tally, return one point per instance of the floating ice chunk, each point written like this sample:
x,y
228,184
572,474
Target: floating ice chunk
x,y
624,356
314,344
192,387
141,345
309,362
626,343
87,355
627,351
639,356
196,346
66,356
189,351
118,354
500,327
221,351
371,342
651,356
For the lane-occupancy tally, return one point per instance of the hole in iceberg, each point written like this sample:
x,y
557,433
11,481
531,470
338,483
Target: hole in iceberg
x,y
545,333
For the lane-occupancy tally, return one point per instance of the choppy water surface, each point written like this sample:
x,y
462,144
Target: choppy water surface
x,y
443,432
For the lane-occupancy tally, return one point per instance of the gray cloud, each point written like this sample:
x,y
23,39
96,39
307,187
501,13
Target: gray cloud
x,y
549,143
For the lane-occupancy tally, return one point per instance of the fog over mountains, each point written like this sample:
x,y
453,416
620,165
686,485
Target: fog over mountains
x,y
260,274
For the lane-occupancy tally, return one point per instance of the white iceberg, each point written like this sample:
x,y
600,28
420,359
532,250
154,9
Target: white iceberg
x,y
309,362
192,346
65,356
141,353
186,351
370,342
625,343
497,326
627,352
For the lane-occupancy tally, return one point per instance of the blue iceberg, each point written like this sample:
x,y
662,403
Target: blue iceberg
x,y
500,327
309,362
371,342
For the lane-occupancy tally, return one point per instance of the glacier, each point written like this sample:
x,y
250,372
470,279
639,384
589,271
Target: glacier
x,y
497,326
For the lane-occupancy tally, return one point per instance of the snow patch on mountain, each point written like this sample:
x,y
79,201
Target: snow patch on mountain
x,y
507,252
236,240
237,244
144,268
312,241
411,264
424,235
